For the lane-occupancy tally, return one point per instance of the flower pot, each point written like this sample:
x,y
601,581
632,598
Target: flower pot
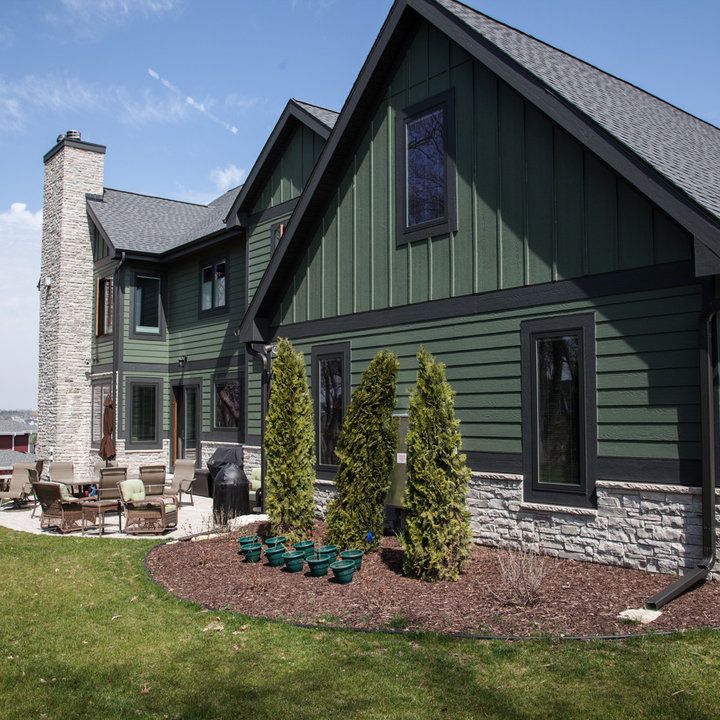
x,y
343,571
275,541
328,551
252,553
306,547
274,556
246,540
294,560
355,555
318,566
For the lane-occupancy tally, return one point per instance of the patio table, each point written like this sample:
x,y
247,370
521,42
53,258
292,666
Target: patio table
x,y
73,483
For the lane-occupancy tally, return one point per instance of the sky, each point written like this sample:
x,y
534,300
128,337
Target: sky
x,y
185,92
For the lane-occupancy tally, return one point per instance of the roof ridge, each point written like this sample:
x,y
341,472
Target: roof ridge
x,y
158,197
319,107
578,59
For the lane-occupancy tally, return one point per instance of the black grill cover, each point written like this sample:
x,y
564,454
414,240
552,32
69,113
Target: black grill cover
x,y
224,456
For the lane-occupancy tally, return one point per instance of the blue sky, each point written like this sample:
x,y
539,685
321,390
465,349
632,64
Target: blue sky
x,y
185,92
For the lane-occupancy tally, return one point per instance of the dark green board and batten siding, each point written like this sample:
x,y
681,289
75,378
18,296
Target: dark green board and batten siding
x,y
259,250
533,206
647,373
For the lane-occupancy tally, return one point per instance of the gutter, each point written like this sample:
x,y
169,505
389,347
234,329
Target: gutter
x,y
708,368
264,355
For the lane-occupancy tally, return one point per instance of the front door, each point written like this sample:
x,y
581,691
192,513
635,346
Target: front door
x,y
185,431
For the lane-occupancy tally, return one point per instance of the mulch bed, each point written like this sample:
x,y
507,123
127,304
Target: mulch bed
x,y
576,599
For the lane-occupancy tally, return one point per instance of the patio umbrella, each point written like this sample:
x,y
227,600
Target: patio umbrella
x,y
107,446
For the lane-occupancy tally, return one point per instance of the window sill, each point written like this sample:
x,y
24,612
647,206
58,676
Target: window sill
x,y
564,509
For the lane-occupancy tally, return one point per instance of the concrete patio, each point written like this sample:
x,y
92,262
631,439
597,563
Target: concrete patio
x,y
192,519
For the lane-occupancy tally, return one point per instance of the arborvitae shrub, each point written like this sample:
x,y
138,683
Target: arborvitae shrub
x,y
290,447
366,454
436,538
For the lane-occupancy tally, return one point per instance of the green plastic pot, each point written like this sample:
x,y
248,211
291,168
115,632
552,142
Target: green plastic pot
x,y
252,553
274,556
355,555
294,560
275,541
318,566
248,540
328,551
343,571
306,547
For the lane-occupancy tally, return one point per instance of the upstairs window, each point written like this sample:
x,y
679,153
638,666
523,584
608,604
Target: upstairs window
x,y
147,305
213,289
426,169
103,307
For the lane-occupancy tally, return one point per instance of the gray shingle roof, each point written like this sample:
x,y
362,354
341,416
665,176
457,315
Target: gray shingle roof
x,y
683,148
146,224
325,116
8,427
9,457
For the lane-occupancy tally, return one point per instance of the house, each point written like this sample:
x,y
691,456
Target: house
x,y
549,231
14,445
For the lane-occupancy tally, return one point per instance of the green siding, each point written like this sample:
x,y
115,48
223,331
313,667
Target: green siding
x,y
292,170
647,370
533,205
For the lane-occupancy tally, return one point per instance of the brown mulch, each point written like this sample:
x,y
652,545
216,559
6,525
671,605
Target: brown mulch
x,y
576,599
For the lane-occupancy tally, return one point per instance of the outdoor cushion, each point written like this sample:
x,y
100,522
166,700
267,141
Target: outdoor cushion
x,y
64,491
255,479
169,508
132,490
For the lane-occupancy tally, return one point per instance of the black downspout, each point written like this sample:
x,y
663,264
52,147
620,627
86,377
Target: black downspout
x,y
708,362
264,355
116,338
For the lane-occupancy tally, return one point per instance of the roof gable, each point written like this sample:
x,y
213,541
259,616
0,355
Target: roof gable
x,y
320,120
492,43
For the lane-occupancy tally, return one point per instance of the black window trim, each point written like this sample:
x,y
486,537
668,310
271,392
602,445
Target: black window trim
x,y
222,309
319,352
98,382
228,433
135,334
448,223
584,325
100,281
159,434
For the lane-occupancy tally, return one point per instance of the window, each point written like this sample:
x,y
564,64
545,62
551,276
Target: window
x,y
559,409
213,290
103,306
425,171
143,413
331,385
100,391
276,233
228,404
147,304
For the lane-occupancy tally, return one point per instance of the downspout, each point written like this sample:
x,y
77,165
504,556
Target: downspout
x,y
116,339
708,366
263,354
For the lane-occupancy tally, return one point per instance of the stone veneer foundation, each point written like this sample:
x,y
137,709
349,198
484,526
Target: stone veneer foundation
x,y
636,525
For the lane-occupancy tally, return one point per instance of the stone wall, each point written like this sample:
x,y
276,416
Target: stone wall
x,y
66,307
133,459
324,492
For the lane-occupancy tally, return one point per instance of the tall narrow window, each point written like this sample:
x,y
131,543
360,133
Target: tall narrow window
x,y
147,304
228,404
103,307
143,413
559,408
331,390
276,233
426,169
213,290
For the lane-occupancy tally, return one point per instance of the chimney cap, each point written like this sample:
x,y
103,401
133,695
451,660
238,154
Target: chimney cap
x,y
73,135
72,138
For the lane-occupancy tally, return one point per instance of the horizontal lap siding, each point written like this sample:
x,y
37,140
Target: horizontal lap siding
x,y
647,370
258,239
533,206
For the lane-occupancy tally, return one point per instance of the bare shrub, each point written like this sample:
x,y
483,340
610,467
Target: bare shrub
x,y
523,572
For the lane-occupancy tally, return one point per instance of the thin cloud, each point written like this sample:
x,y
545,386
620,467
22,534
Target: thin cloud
x,y
227,177
191,101
7,38
20,231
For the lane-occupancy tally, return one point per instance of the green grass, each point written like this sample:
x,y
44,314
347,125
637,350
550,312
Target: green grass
x,y
85,634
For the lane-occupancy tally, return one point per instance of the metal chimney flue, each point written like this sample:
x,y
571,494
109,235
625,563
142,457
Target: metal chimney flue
x,y
72,135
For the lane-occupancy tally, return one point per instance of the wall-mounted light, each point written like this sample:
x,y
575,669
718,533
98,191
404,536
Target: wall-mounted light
x,y
182,361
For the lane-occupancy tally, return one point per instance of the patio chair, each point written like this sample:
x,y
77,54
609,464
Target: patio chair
x,y
182,480
62,472
153,477
147,513
59,508
107,499
19,489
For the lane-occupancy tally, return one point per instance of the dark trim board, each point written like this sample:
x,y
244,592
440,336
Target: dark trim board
x,y
223,363
564,291
272,212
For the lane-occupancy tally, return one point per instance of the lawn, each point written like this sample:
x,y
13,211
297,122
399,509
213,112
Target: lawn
x,y
85,634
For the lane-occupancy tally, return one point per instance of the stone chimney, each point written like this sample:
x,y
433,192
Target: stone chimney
x,y
73,168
